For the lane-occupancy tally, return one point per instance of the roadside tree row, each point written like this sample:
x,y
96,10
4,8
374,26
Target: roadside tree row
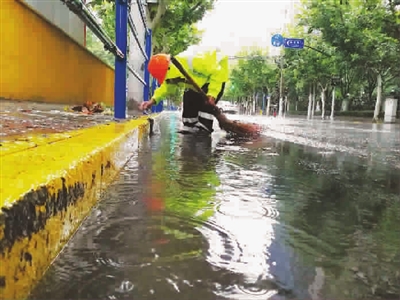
x,y
352,47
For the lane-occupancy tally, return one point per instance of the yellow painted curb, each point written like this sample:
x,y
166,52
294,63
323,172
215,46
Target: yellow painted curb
x,y
47,188
23,143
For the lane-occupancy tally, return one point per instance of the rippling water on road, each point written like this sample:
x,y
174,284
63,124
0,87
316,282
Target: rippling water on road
x,y
195,218
376,142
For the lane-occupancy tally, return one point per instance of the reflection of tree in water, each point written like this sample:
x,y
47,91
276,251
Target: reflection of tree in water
x,y
187,174
186,179
353,213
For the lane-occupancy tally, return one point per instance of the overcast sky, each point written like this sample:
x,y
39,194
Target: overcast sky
x,y
234,24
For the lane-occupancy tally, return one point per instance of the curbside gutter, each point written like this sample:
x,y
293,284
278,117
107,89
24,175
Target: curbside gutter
x,y
48,187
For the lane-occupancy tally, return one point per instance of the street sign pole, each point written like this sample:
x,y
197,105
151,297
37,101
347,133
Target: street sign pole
x,y
278,40
281,88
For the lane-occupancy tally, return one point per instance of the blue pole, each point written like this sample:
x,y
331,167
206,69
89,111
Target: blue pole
x,y
153,88
160,106
154,85
121,38
146,88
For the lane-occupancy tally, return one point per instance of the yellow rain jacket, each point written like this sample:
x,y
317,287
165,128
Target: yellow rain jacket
x,y
204,68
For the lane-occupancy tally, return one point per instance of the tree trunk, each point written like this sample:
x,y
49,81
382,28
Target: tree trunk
x,y
378,98
284,106
313,102
254,102
268,106
280,106
333,104
323,95
161,9
287,104
309,103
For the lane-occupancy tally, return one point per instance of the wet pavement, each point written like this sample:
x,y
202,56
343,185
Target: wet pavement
x,y
379,143
24,118
195,218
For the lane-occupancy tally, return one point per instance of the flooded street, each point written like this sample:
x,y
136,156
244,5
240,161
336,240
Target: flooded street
x,y
311,210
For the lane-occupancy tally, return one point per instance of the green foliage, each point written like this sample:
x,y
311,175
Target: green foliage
x,y
105,11
354,41
356,31
173,42
256,73
175,31
97,48
309,66
172,21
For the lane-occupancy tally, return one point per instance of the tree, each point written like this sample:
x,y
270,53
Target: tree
x,y
172,21
365,53
168,41
106,12
254,74
311,68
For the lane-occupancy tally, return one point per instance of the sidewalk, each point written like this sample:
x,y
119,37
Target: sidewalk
x,y
26,118
54,167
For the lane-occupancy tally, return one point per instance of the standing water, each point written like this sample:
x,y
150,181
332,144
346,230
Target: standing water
x,y
195,218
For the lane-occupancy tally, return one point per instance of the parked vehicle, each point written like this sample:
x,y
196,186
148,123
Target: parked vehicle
x,y
228,107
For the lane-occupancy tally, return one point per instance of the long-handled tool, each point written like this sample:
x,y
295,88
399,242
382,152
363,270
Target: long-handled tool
x,y
241,129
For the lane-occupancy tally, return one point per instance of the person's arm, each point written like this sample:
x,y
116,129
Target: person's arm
x,y
160,93
163,91
220,76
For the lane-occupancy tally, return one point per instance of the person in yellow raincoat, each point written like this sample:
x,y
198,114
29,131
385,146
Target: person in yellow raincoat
x,y
209,70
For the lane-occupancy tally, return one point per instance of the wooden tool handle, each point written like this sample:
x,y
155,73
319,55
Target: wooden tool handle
x,y
224,123
188,77
216,111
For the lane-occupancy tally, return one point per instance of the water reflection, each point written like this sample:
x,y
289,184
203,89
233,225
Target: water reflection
x,y
248,216
195,218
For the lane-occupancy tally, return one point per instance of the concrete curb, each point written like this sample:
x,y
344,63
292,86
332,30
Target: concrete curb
x,y
48,186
